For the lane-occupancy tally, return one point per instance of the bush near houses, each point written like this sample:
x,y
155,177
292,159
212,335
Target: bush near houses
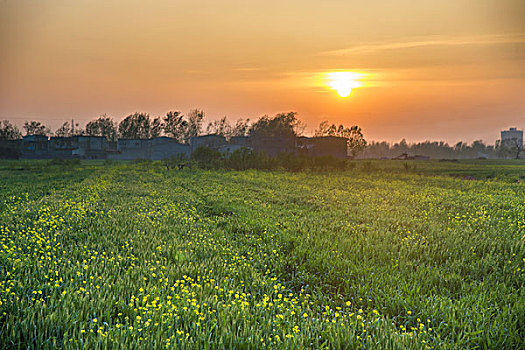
x,y
245,158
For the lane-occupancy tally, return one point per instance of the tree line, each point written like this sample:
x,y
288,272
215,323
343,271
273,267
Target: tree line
x,y
442,150
134,126
182,127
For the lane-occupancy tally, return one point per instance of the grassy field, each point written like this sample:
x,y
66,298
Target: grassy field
x,y
387,255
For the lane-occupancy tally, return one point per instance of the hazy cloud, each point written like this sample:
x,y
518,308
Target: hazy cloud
x,y
248,69
435,41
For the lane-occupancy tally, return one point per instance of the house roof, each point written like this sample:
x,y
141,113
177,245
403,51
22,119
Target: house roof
x,y
35,138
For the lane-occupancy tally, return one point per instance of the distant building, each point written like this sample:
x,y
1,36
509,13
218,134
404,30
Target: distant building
x,y
129,149
155,149
35,147
211,141
235,143
86,147
513,136
98,147
11,149
90,147
322,146
241,141
273,145
167,147
61,147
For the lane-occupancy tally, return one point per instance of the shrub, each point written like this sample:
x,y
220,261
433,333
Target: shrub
x,y
244,158
291,162
207,158
177,161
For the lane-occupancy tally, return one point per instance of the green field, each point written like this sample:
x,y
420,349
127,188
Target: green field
x,y
384,255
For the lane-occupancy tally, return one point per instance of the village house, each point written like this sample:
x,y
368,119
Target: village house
x,y
90,147
85,147
167,147
35,147
322,146
61,147
129,149
211,141
11,149
241,141
272,146
155,149
98,147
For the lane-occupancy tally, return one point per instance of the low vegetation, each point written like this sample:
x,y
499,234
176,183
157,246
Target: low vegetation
x,y
380,256
245,158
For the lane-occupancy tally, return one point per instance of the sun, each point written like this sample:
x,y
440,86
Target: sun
x,y
343,82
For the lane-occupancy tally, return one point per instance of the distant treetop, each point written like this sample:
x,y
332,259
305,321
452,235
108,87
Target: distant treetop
x,y
283,125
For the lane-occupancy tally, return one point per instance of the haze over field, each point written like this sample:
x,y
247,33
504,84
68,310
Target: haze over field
x,y
416,70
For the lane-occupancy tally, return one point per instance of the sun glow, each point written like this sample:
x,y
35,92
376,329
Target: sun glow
x,y
343,82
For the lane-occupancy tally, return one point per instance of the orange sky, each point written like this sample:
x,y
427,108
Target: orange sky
x,y
438,70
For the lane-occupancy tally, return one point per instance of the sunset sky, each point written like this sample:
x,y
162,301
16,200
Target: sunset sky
x,y
428,69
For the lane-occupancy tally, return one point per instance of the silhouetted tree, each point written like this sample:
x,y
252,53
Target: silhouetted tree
x,y
400,147
510,148
64,130
103,126
156,127
224,128
479,149
9,131
437,150
36,128
283,125
219,127
175,126
240,128
195,118
67,130
355,140
135,126
354,136
323,129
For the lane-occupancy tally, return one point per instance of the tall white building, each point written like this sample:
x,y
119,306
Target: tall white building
x,y
513,136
